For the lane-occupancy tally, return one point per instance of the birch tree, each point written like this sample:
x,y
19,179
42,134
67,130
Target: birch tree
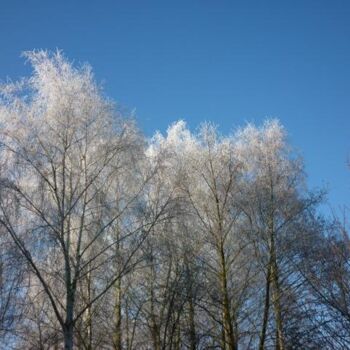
x,y
62,144
275,200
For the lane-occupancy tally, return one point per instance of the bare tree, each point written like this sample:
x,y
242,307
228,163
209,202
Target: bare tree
x,y
63,144
191,240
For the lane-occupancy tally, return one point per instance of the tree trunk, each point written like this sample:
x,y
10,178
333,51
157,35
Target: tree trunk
x,y
89,313
276,293
68,336
118,316
127,326
193,337
227,319
68,327
177,345
266,307
118,296
277,307
155,336
191,310
155,331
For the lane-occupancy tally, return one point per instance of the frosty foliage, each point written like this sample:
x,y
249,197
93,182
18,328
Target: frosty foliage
x,y
188,240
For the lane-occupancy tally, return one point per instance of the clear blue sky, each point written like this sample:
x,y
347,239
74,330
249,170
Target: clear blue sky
x,y
223,61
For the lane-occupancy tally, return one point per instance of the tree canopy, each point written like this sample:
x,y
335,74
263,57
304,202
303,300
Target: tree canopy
x,y
187,240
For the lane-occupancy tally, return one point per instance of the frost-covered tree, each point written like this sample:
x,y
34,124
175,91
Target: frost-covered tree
x,y
275,201
188,240
206,173
64,149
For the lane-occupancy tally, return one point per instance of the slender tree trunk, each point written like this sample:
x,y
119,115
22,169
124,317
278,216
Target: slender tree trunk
x,y
118,316
155,331
89,315
68,336
127,326
276,293
68,327
277,307
193,336
227,318
223,339
191,310
178,337
118,297
155,335
70,281
266,307
41,346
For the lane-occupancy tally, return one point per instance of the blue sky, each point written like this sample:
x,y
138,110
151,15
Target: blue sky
x,y
223,61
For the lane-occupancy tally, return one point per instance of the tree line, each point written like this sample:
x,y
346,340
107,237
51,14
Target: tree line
x,y
188,240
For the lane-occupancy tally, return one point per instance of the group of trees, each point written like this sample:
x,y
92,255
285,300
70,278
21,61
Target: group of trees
x,y
184,241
